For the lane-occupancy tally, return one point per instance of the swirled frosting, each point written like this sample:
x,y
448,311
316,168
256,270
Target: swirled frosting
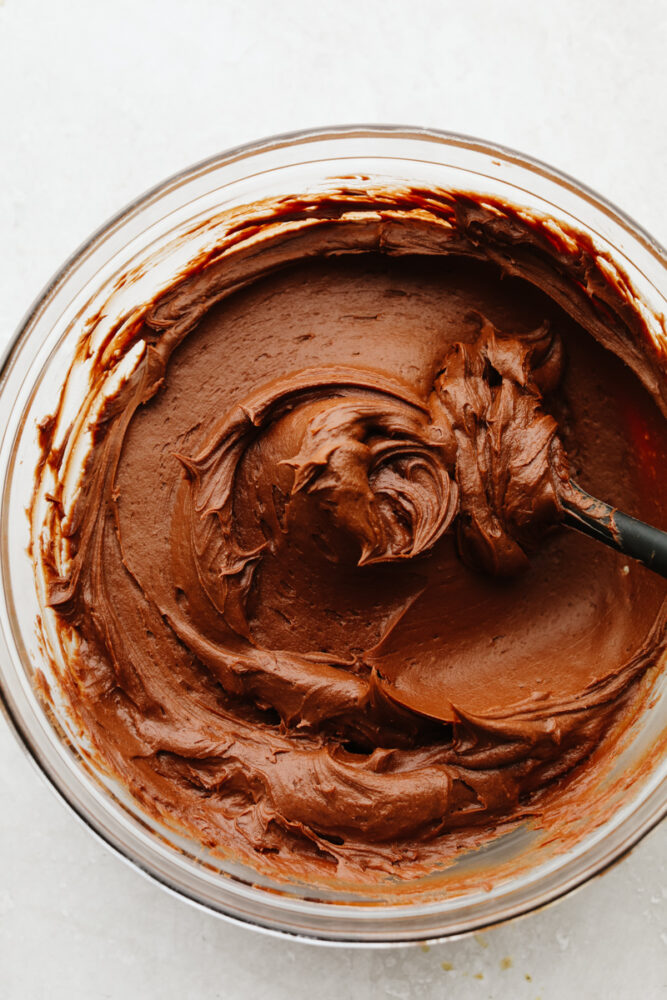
x,y
317,603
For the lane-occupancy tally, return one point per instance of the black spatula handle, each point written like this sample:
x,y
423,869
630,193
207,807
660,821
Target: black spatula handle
x,y
617,530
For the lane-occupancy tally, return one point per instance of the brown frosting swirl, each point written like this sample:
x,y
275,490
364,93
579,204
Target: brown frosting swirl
x,y
314,578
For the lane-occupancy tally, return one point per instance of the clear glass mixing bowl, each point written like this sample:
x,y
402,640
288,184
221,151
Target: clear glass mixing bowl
x,y
513,874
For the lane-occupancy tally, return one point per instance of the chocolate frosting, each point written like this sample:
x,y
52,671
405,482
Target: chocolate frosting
x,y
318,605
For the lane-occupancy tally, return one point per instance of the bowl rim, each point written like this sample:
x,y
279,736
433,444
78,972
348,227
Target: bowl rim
x,y
48,292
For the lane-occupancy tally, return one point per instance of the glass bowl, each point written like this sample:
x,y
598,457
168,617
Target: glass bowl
x,y
514,873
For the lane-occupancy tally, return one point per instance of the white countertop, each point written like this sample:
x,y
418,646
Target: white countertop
x,y
99,101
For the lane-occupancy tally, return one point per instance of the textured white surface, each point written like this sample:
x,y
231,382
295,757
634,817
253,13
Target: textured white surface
x,y
99,101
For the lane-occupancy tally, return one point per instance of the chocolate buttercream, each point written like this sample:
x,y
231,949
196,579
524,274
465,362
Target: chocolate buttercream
x,y
317,603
